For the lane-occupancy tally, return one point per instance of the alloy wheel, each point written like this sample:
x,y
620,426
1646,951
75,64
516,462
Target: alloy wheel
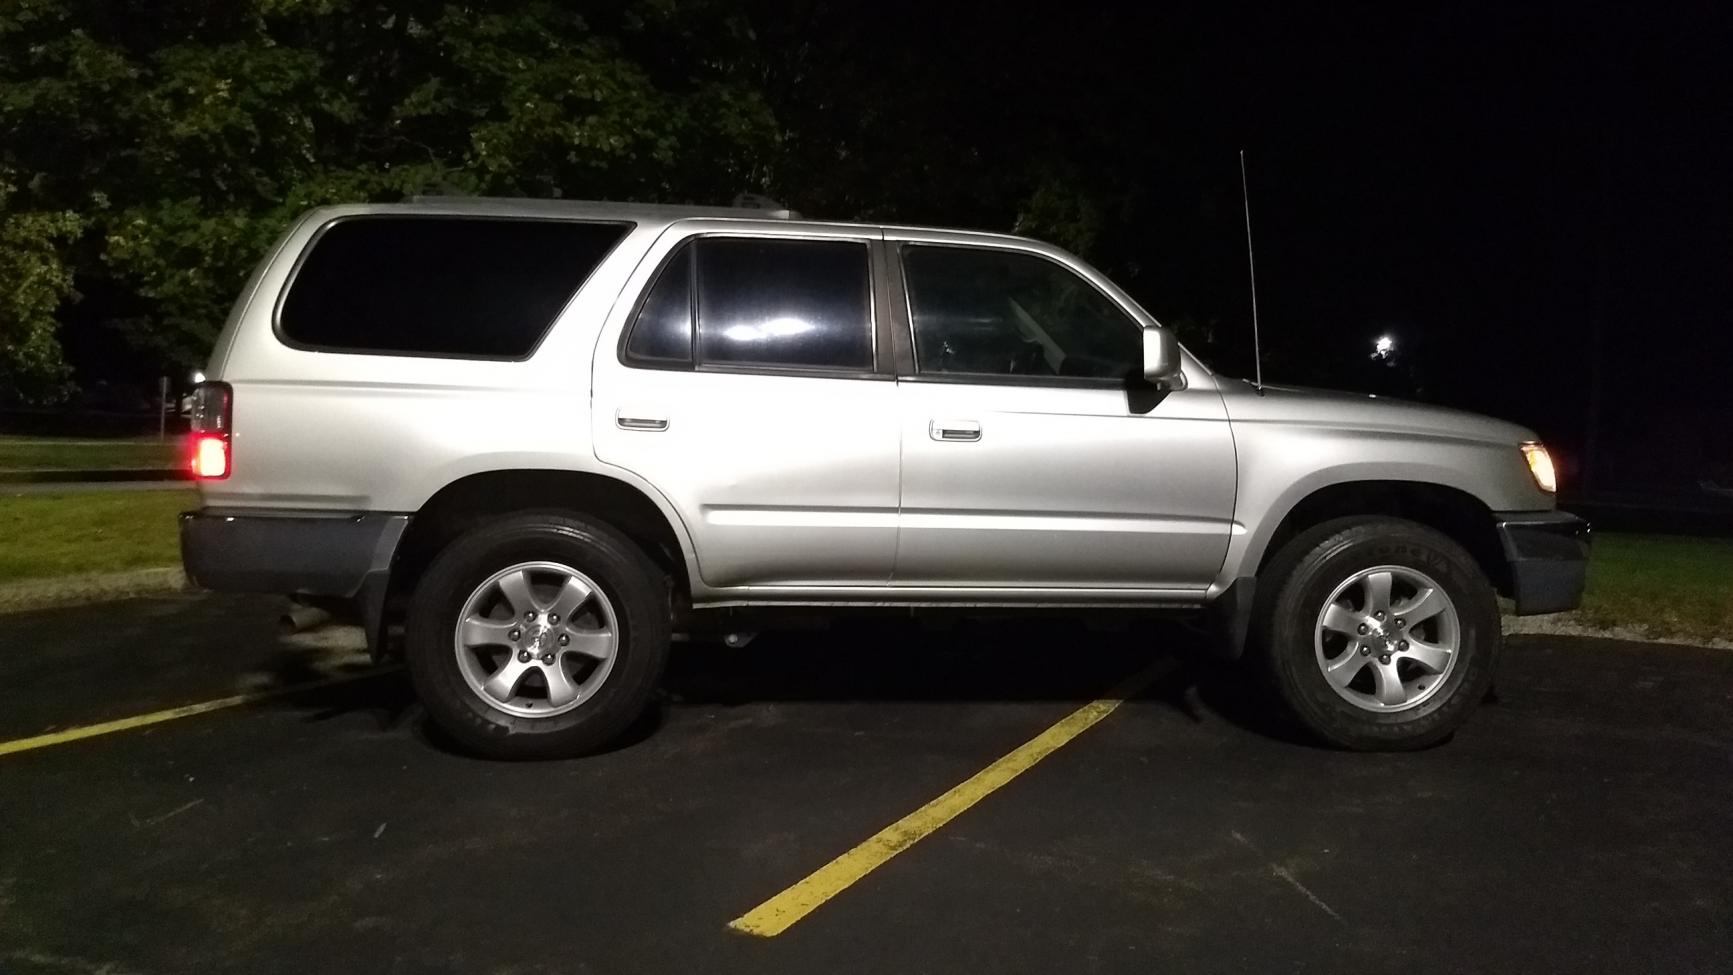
x,y
1387,638
536,639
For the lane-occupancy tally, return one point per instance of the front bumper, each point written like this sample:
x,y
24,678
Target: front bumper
x,y
1548,553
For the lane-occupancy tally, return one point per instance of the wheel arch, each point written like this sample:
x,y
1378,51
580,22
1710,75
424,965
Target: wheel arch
x,y
476,498
1453,512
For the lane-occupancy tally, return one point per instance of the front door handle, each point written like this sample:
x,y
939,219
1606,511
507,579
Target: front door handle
x,y
650,424
954,430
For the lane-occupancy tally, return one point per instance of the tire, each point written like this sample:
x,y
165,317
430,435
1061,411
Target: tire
x,y
621,629
1401,694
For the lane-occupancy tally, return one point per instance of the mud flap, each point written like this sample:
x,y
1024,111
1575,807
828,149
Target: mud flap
x,y
1231,614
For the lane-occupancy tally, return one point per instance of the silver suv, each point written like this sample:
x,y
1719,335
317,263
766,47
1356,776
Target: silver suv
x,y
542,438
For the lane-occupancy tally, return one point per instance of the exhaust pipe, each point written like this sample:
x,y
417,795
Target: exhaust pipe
x,y
301,618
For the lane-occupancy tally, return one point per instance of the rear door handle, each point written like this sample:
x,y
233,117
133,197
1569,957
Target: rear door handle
x,y
955,430
649,424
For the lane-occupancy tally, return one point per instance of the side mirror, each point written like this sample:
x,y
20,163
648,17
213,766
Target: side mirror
x,y
1161,358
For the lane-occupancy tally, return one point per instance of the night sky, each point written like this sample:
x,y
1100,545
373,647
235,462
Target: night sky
x,y
1499,185
1493,184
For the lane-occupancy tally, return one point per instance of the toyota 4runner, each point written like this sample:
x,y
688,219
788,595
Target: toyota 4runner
x,y
529,442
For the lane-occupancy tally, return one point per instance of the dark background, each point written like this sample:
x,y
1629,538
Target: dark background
x,y
1530,198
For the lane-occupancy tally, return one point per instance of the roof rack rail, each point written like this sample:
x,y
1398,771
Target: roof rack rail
x,y
758,201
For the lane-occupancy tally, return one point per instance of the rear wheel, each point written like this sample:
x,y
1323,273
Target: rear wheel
x,y
538,636
1377,633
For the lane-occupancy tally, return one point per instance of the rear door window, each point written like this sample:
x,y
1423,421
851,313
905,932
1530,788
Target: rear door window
x,y
485,288
802,304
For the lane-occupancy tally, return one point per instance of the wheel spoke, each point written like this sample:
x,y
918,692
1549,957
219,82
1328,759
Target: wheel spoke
x,y
1429,655
562,626
1426,604
486,633
573,595
1378,592
516,588
1341,619
1389,687
1416,637
1342,670
561,690
502,686
598,644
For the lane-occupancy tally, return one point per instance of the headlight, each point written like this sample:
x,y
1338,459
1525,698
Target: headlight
x,y
1540,465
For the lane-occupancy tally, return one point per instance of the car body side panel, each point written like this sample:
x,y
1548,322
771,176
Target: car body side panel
x,y
1292,443
1063,487
783,479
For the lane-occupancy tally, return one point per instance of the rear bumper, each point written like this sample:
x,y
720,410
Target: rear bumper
x,y
291,552
1548,552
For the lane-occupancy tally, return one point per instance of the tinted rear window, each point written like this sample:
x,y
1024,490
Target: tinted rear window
x,y
788,303
662,333
442,286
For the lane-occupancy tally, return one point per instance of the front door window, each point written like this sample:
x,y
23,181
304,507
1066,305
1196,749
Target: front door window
x,y
986,312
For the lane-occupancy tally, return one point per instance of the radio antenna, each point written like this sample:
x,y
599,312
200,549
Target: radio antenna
x,y
1252,266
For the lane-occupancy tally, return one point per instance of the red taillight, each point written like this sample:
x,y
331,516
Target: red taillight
x,y
213,405
210,456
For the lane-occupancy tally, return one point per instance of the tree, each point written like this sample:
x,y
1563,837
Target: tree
x,y
150,150
35,279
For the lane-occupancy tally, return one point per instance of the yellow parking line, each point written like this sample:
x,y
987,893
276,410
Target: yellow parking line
x,y
777,914
185,711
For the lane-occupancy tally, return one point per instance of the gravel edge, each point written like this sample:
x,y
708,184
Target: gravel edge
x,y
16,597
1566,624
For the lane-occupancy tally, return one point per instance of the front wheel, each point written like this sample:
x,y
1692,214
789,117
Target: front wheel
x,y
538,636
1377,633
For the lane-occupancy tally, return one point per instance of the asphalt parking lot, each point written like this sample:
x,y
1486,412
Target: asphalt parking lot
x,y
1580,823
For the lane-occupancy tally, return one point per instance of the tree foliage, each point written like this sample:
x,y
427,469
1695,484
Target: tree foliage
x,y
150,150
34,280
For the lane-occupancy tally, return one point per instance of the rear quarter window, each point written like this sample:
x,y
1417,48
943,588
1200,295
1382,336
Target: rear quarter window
x,y
483,288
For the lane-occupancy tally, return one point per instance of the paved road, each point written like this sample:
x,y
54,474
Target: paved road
x,y
1580,823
